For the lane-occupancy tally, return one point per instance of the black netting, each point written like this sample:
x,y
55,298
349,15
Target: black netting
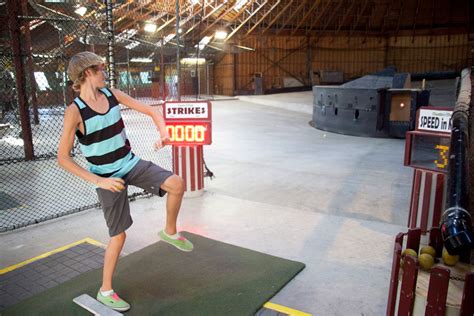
x,y
32,187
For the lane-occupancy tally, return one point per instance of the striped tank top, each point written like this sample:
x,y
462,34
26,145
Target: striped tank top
x,y
104,143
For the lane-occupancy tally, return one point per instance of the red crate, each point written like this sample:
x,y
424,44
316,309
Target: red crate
x,y
442,291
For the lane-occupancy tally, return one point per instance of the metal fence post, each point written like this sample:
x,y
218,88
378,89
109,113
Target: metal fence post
x,y
13,10
110,42
178,92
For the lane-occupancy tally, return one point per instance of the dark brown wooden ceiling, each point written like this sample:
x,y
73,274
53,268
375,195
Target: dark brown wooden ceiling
x,y
243,18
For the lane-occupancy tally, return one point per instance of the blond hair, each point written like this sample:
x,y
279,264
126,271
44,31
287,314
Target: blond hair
x,y
78,64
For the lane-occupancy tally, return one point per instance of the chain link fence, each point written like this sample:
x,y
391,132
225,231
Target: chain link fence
x,y
32,187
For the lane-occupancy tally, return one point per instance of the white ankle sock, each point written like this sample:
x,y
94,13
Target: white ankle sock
x,y
175,236
106,293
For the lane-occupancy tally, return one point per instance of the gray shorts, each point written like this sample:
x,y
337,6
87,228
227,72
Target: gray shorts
x,y
145,175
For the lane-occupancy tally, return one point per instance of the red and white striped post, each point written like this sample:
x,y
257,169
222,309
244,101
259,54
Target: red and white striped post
x,y
188,164
427,199
189,125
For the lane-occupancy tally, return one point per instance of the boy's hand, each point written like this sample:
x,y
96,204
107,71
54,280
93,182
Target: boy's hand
x,y
162,142
111,184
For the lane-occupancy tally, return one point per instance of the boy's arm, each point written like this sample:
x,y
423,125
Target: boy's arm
x,y
153,112
71,121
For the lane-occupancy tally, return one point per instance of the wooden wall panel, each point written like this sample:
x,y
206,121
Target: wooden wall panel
x,y
425,53
224,76
355,56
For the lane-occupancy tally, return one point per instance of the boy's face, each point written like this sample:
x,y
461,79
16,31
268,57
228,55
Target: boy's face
x,y
96,74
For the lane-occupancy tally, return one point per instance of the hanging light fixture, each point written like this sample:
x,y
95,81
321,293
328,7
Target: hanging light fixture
x,y
81,10
220,35
150,27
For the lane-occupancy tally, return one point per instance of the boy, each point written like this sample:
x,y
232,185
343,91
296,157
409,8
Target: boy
x,y
94,117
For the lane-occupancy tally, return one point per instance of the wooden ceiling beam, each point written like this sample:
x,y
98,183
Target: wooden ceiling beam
x,y
291,15
354,25
119,11
220,17
433,19
334,11
368,24
415,19
385,18
245,21
399,19
450,3
319,16
278,15
315,4
470,22
214,10
343,21
243,16
262,18
128,14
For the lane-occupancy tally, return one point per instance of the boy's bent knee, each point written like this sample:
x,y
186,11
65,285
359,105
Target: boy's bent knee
x,y
119,237
174,185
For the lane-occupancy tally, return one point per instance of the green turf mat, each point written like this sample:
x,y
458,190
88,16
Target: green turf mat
x,y
214,279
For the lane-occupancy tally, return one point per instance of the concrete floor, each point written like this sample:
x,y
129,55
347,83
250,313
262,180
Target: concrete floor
x,y
331,201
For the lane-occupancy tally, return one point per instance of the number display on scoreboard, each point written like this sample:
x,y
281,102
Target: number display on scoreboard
x,y
427,151
188,123
196,133
427,147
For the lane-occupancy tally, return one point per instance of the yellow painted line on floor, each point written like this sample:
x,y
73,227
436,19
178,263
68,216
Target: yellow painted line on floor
x,y
49,253
284,309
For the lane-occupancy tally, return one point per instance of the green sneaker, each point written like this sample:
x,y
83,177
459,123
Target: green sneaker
x,y
181,243
113,301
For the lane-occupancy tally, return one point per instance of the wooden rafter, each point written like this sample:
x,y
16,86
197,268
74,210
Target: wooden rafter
x,y
334,11
399,19
214,10
368,24
354,25
262,18
245,21
192,15
225,13
450,3
167,22
414,20
319,16
246,14
386,15
433,19
171,20
291,15
470,22
346,14
278,15
129,14
310,11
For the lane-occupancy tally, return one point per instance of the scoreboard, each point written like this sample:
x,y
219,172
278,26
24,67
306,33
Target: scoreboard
x,y
188,123
428,146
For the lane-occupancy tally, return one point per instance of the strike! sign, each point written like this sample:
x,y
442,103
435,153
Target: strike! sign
x,y
434,120
188,123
